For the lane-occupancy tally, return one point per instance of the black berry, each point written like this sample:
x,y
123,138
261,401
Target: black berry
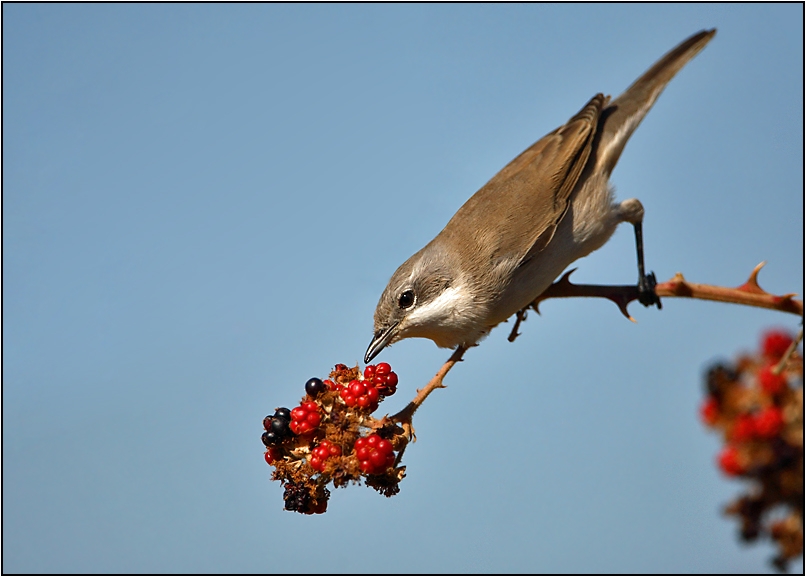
x,y
279,427
719,378
296,497
270,438
283,413
314,386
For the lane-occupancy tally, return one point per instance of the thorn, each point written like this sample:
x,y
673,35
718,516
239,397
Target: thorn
x,y
786,297
623,308
751,285
567,276
754,275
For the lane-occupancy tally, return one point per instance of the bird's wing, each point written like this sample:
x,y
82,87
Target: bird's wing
x,y
528,197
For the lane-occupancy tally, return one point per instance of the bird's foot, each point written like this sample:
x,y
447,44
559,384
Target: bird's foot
x,y
646,291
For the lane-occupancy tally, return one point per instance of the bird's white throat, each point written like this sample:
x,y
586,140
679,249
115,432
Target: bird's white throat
x,y
448,319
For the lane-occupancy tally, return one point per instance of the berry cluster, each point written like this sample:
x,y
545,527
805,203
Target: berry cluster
x,y
305,418
374,454
276,427
322,453
756,403
331,437
378,382
360,393
304,498
382,378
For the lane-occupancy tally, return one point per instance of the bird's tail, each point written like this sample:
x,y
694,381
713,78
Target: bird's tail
x,y
623,115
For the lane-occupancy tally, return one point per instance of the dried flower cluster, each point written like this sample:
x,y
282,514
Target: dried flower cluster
x,y
332,437
756,403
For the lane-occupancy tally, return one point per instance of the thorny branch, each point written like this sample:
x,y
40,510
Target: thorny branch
x,y
749,294
404,416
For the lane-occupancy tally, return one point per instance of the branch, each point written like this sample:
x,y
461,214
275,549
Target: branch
x,y
749,294
405,415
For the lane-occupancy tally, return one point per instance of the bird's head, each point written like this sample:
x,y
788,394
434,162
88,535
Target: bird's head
x,y
424,298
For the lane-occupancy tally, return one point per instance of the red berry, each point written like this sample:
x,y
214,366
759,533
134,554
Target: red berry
x,y
273,455
775,343
373,394
391,380
349,400
369,371
770,382
377,459
331,386
744,429
362,401
383,369
729,461
709,411
768,423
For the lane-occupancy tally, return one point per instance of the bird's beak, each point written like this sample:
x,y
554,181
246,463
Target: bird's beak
x,y
379,341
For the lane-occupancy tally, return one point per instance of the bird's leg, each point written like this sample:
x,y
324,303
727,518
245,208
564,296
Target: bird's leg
x,y
646,282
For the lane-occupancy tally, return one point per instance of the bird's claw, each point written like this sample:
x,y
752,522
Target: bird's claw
x,y
646,291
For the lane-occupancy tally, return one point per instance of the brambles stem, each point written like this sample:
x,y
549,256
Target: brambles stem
x,y
405,415
749,294
786,356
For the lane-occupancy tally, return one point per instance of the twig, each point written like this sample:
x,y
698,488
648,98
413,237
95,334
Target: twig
x,y
405,415
779,368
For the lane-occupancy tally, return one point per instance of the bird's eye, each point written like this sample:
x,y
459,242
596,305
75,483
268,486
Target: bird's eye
x,y
406,299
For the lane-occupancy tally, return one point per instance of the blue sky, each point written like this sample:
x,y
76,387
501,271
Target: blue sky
x,y
202,204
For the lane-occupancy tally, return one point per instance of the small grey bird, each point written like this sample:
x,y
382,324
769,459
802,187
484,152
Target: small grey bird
x,y
547,208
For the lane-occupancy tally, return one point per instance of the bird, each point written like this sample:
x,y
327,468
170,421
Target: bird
x,y
550,206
